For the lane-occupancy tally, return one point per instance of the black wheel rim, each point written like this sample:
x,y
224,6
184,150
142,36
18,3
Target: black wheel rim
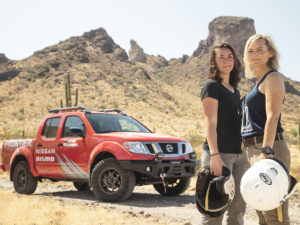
x,y
110,181
21,179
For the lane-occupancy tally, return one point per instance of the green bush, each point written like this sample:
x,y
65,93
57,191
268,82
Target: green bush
x,y
100,92
293,132
43,82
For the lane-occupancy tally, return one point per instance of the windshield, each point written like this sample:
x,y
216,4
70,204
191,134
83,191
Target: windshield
x,y
105,123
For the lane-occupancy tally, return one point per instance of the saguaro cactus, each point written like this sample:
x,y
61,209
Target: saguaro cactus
x,y
68,94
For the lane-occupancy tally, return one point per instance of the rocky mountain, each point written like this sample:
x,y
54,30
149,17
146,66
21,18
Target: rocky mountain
x,y
161,93
229,29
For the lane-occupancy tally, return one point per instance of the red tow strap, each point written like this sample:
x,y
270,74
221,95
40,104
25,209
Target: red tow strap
x,y
162,175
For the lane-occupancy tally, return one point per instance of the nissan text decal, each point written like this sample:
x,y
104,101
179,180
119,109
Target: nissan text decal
x,y
265,178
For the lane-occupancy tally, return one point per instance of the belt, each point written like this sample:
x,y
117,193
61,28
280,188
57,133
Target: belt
x,y
259,139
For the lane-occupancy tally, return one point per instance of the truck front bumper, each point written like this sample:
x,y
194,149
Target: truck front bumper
x,y
169,168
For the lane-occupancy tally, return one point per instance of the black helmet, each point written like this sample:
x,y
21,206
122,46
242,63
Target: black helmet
x,y
214,193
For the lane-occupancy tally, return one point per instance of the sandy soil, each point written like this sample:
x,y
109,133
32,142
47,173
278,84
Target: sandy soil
x,y
144,201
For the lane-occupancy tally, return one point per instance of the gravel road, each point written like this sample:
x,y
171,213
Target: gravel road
x,y
145,200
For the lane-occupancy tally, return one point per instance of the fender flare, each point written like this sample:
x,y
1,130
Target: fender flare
x,y
22,153
111,147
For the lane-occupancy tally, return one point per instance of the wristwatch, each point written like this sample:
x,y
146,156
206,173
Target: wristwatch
x,y
267,150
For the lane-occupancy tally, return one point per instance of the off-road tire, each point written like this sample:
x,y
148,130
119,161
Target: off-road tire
x,y
81,186
107,175
174,186
23,180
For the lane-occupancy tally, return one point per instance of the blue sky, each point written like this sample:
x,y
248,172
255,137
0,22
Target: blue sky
x,y
169,28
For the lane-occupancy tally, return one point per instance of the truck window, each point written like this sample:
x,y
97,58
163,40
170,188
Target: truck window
x,y
128,126
72,121
50,127
105,123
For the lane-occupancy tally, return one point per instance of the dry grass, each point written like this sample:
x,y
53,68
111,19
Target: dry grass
x,y
295,162
24,209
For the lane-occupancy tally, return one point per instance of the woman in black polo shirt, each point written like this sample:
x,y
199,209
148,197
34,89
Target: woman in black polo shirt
x,y
222,111
261,127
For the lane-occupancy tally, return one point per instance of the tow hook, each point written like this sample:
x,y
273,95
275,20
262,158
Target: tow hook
x,y
162,176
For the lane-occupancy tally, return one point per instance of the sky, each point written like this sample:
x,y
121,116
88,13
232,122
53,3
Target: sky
x,y
169,28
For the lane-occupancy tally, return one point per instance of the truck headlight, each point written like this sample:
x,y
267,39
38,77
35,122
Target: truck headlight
x,y
189,148
135,147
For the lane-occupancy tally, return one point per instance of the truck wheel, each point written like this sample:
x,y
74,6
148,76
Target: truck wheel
x,y
81,186
24,181
110,182
174,186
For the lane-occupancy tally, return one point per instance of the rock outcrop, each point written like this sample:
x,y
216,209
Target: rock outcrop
x,y
100,39
8,73
136,53
3,58
233,30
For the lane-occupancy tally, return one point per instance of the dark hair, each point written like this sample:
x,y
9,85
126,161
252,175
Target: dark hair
x,y
213,72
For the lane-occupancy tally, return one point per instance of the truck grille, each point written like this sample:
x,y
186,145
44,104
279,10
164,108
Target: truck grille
x,y
150,148
169,148
183,148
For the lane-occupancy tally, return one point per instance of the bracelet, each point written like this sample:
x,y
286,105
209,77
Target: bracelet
x,y
215,154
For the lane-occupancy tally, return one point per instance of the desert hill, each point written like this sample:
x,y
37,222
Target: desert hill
x,y
164,94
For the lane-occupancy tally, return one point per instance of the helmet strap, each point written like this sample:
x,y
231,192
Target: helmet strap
x,y
279,213
206,197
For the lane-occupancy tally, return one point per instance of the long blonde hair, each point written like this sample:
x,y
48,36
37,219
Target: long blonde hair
x,y
273,61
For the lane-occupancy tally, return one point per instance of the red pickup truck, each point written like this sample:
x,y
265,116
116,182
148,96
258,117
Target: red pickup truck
x,y
106,150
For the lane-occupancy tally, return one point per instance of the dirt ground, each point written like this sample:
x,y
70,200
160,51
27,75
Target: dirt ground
x,y
145,206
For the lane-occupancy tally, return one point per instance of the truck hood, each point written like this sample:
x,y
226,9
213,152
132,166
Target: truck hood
x,y
143,137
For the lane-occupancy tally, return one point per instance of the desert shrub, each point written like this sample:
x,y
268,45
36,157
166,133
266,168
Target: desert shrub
x,y
100,92
49,85
43,82
116,105
293,132
161,108
195,139
21,117
29,70
87,74
144,98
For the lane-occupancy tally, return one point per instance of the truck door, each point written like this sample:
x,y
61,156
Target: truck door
x,y
73,153
46,147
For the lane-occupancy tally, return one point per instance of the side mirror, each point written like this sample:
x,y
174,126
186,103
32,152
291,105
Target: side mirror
x,y
76,131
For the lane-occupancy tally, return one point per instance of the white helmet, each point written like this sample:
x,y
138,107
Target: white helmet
x,y
214,194
267,184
